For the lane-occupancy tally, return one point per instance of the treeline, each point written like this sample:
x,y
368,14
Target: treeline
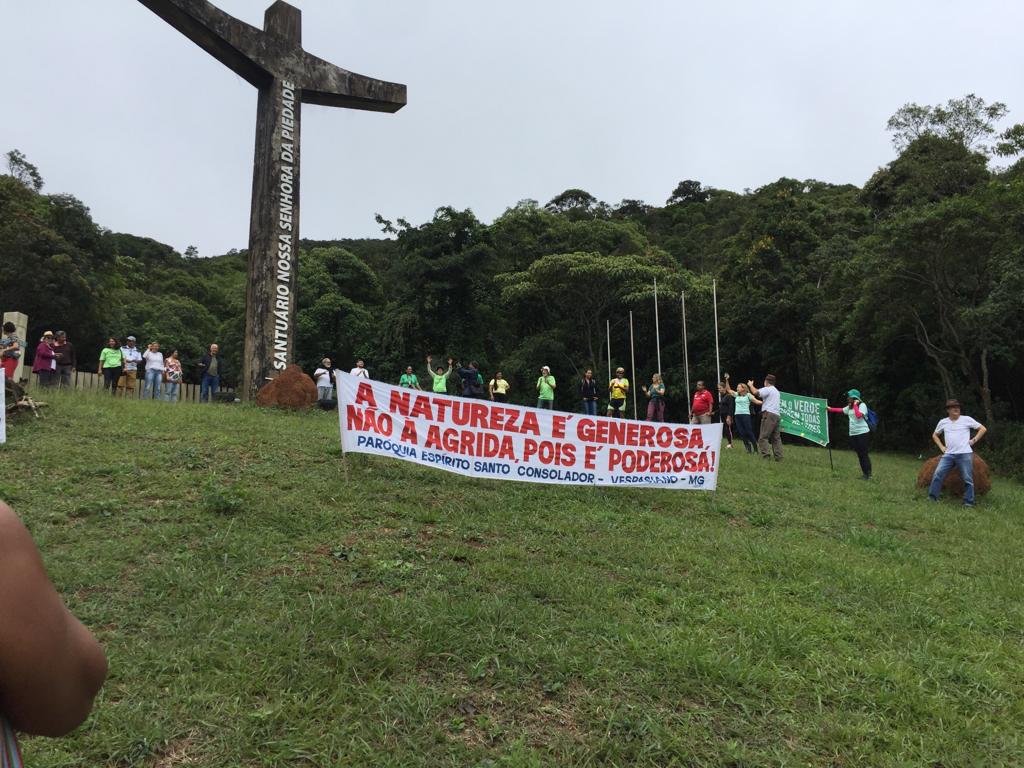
x,y
909,288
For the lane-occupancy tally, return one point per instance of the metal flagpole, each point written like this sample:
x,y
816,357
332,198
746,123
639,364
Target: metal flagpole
x,y
718,361
608,331
686,356
632,363
657,331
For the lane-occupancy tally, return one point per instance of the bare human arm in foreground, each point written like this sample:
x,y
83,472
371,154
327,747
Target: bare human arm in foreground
x,y
51,667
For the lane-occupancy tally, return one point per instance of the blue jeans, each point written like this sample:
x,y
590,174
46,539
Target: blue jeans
x,y
590,407
964,462
210,384
171,391
548,404
153,384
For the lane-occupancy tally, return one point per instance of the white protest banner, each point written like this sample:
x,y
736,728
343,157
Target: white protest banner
x,y
3,410
481,438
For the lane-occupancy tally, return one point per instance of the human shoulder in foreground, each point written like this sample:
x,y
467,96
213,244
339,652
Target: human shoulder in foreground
x,y
51,667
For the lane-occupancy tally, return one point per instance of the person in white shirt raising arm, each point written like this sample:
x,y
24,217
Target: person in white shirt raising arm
x,y
957,452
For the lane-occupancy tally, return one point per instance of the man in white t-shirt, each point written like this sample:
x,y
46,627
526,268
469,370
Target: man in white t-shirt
x,y
770,439
360,370
957,452
324,378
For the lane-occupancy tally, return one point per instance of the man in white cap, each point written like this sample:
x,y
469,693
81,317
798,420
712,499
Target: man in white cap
x,y
546,389
131,357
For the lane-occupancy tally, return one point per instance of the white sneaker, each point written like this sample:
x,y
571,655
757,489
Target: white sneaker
x,y
728,445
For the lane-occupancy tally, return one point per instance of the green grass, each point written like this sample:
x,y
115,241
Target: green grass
x,y
265,603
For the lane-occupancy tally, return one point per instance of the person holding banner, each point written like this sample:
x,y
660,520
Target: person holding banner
x,y
409,380
741,413
618,390
440,379
546,389
770,439
857,411
703,405
588,393
498,387
656,393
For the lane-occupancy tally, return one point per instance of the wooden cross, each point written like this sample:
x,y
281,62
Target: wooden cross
x,y
272,59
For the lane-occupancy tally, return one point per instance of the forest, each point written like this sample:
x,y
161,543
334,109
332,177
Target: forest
x,y
908,288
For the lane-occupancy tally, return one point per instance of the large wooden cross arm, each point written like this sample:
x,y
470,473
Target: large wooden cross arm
x,y
260,55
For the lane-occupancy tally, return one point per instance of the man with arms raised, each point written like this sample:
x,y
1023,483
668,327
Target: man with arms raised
x,y
957,452
770,439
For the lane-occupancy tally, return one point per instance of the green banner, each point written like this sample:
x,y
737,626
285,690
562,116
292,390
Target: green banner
x,y
804,417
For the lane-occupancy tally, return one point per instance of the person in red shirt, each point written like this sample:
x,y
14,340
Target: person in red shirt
x,y
703,404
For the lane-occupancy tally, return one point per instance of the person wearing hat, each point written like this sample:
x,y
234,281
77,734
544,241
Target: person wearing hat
x,y
64,352
130,359
618,390
45,363
857,411
957,452
546,389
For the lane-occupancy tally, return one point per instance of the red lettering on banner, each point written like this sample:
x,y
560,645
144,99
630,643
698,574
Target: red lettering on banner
x,y
530,424
409,432
367,420
478,415
364,394
421,409
590,456
647,436
399,402
558,426
696,438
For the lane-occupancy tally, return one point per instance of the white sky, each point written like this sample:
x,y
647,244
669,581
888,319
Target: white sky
x,y
506,101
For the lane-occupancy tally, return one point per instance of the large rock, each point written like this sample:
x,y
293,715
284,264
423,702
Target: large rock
x,y
291,389
954,484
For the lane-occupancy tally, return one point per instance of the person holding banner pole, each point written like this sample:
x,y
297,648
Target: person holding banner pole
x,y
770,439
857,411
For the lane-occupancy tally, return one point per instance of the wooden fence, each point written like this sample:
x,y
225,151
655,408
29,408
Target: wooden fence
x,y
92,381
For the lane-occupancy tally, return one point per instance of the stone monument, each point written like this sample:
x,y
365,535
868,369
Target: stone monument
x,y
272,59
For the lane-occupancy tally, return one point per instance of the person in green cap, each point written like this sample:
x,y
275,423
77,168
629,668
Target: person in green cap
x,y
857,411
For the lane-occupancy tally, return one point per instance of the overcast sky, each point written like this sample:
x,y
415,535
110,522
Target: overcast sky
x,y
507,101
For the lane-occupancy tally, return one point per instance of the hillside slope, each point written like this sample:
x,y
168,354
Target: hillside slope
x,y
264,602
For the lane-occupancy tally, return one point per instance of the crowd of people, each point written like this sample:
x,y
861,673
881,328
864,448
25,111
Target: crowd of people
x,y
55,363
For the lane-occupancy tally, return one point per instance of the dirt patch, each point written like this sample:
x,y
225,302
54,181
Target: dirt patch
x,y
179,752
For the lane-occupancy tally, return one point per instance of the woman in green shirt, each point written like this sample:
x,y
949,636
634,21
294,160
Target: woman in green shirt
x,y
440,379
744,425
656,392
110,365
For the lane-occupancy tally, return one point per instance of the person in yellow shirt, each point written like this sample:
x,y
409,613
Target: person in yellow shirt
x,y
618,389
498,388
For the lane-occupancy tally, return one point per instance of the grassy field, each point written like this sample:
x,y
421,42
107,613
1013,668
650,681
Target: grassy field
x,y
264,603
